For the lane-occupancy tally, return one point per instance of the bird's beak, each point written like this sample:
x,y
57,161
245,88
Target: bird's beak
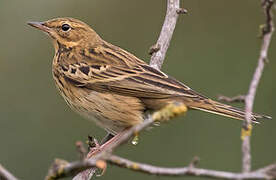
x,y
39,25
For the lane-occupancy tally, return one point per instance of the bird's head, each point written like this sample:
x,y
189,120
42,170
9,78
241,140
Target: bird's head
x,y
68,32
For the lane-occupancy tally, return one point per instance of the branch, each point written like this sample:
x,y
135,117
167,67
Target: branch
x,y
238,98
268,172
61,168
5,174
158,51
58,170
267,32
69,169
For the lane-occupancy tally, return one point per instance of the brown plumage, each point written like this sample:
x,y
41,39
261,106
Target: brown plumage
x,y
110,85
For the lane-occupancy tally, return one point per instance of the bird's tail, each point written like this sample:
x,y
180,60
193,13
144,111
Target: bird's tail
x,y
211,106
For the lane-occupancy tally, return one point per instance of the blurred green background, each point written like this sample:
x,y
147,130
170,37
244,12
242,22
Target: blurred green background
x,y
214,50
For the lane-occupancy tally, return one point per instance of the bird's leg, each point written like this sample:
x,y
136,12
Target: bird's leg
x,y
170,111
107,140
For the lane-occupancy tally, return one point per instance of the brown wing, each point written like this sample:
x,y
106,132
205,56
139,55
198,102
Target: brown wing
x,y
139,81
109,68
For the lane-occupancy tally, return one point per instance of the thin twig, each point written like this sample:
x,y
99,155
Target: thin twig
x,y
159,50
268,172
125,136
249,100
81,150
194,162
263,173
128,134
5,174
61,168
238,98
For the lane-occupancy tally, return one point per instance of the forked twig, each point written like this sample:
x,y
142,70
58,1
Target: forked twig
x,y
267,31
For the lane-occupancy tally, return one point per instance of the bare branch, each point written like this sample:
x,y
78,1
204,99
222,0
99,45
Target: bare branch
x,y
81,149
123,138
267,32
5,174
238,98
268,172
194,162
61,168
181,11
159,50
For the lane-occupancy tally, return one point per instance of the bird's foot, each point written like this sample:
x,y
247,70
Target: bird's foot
x,y
170,111
94,147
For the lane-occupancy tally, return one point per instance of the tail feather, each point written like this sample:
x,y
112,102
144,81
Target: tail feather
x,y
225,110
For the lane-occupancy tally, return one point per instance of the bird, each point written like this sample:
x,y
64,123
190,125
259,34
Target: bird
x,y
113,87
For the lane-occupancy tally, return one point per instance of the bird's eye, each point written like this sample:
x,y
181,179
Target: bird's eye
x,y
65,27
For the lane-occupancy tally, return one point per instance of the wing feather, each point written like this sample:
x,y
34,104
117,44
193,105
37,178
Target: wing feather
x,y
109,68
